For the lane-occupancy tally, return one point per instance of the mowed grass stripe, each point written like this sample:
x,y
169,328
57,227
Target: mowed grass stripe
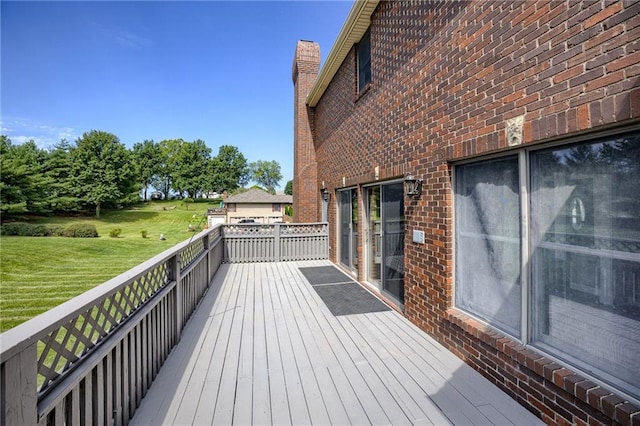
x,y
38,273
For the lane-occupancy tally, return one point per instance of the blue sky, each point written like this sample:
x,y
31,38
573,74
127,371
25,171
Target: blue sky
x,y
219,71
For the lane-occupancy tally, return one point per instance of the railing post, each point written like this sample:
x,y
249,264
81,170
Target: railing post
x,y
207,252
174,266
276,239
18,383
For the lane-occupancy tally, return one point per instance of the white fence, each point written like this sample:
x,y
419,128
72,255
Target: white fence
x,y
92,359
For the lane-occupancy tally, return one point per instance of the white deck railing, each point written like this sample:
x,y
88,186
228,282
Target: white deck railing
x,y
92,359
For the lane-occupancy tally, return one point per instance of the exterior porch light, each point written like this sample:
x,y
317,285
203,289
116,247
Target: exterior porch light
x,y
412,186
326,195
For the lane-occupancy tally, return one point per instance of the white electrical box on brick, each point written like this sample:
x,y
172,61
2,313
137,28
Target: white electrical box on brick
x,y
418,237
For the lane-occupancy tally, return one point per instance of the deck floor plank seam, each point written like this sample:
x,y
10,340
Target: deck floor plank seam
x,y
337,369
416,385
316,346
336,389
346,338
261,409
223,354
299,410
464,412
316,404
243,402
199,386
194,386
278,393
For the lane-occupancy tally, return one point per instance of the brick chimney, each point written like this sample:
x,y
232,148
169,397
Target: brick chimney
x,y
306,195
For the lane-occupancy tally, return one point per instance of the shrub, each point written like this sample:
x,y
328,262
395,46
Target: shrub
x,y
40,231
56,230
115,232
16,228
81,230
144,234
22,229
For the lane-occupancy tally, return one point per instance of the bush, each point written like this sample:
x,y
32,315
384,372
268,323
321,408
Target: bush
x,y
115,232
16,228
23,229
40,231
56,230
81,230
144,234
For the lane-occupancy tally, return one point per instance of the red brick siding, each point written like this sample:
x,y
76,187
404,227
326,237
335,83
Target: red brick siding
x,y
306,193
445,78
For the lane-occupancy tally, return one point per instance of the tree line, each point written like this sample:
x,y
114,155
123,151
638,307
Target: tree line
x,y
98,171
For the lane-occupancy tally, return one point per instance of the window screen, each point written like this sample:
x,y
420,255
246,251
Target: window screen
x,y
488,242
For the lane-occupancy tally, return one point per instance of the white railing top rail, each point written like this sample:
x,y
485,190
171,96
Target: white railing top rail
x,y
72,329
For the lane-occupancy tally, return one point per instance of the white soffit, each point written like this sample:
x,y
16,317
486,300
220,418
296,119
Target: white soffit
x,y
352,31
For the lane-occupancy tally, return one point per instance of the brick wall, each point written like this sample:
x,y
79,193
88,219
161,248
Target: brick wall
x,y
446,77
306,193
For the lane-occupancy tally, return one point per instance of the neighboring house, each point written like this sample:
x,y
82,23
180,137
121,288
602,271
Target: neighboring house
x,y
521,122
258,205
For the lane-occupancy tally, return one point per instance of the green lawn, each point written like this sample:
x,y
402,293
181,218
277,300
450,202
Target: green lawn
x,y
38,273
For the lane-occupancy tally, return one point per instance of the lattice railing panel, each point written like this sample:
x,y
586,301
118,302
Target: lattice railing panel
x,y
303,228
69,342
191,252
238,230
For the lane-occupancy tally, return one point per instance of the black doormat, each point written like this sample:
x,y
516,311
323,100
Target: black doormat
x,y
341,294
317,275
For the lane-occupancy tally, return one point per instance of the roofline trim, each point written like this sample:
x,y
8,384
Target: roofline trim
x,y
352,31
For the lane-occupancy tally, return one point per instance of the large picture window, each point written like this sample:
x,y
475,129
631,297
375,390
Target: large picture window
x,y
582,289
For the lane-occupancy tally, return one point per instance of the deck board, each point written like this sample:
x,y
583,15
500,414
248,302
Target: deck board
x,y
263,348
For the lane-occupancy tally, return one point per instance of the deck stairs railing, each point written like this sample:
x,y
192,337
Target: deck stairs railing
x,y
92,359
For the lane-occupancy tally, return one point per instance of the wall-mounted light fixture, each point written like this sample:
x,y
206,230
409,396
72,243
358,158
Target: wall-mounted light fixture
x,y
326,195
412,186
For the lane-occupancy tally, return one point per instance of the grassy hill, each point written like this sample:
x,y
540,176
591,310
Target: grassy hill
x,y
38,273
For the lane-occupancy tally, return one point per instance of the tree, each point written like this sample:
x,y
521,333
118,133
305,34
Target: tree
x,y
163,180
266,173
288,189
190,167
148,160
22,181
228,170
13,176
57,167
102,170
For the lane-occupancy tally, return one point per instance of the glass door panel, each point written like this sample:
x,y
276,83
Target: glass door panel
x,y
374,246
348,222
392,208
345,227
354,230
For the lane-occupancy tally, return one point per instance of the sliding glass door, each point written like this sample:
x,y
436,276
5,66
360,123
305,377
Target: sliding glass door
x,y
348,200
385,241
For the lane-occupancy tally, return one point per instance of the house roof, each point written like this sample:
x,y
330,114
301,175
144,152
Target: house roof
x,y
352,31
258,196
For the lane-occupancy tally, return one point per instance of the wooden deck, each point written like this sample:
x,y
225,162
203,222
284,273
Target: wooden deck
x,y
263,348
